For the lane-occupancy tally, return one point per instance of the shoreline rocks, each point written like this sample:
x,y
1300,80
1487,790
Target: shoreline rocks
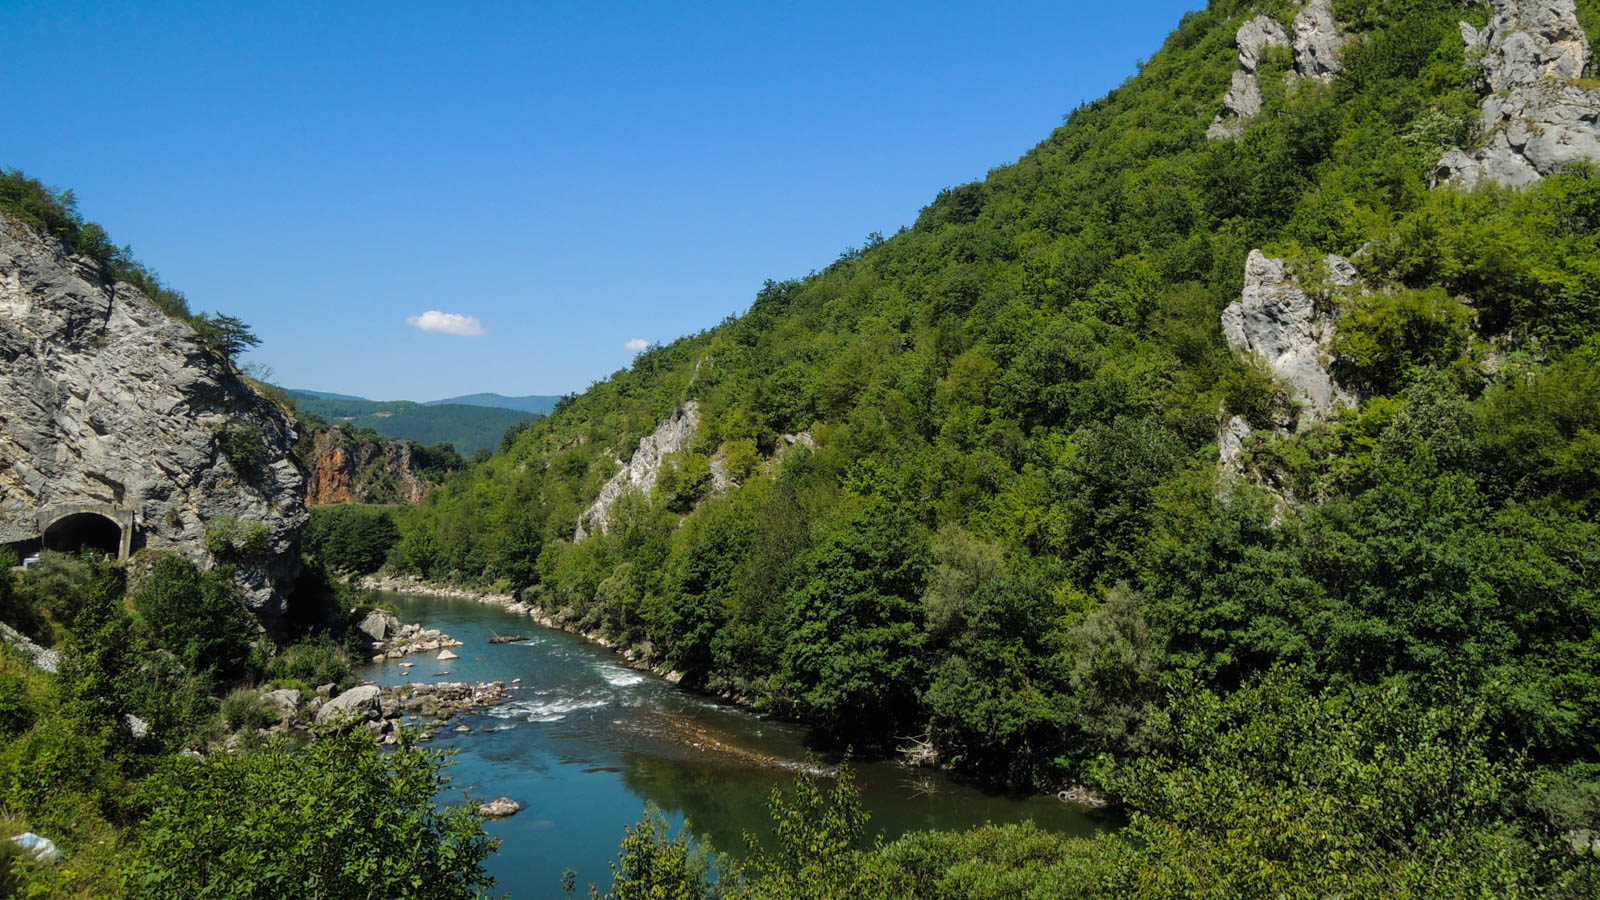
x,y
388,639
381,711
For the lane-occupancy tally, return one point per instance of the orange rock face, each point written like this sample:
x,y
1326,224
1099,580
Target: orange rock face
x,y
346,467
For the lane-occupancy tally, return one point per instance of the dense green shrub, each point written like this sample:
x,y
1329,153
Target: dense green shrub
x,y
339,818
1383,336
311,664
233,540
244,446
244,709
350,538
199,616
18,609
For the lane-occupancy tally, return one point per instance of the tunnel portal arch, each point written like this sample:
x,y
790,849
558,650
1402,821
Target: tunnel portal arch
x,y
71,527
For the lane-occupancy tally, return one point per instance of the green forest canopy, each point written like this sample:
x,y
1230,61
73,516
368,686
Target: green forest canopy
x,y
1010,537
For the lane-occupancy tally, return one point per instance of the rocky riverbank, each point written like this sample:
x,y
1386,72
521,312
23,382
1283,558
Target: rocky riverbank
x,y
635,657
388,639
381,711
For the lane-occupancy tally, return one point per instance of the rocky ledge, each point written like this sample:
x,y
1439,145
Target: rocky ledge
x,y
1538,113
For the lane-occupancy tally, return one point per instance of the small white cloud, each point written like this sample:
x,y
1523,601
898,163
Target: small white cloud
x,y
637,344
446,323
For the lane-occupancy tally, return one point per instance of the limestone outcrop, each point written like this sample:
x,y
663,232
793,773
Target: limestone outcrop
x,y
640,472
1536,114
1317,43
346,467
111,408
1276,319
1243,100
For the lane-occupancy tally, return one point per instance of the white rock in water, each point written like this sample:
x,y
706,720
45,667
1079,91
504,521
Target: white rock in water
x,y
499,809
446,654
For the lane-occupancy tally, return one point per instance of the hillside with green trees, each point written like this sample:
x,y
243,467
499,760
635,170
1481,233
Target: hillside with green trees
x,y
1366,666
469,428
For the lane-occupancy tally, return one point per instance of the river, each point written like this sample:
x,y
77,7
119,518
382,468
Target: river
x,y
586,742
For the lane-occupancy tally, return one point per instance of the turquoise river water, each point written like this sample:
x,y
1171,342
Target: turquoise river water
x,y
586,742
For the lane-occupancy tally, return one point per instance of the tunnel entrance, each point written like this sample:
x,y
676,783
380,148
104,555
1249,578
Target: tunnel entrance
x,y
89,531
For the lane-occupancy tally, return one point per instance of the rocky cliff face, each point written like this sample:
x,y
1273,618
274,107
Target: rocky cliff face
x,y
108,404
1537,115
1277,319
346,467
640,472
1318,43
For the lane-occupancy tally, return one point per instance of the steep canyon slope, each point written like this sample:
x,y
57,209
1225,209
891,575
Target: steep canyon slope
x,y
110,407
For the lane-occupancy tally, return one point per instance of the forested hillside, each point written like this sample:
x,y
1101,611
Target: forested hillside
x,y
1013,536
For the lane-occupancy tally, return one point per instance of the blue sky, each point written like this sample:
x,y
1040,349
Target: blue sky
x,y
574,176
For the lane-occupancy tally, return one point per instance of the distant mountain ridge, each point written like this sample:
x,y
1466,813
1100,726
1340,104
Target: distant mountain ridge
x,y
468,427
538,404
327,395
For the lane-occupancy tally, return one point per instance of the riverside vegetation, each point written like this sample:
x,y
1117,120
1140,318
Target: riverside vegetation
x,y
90,754
1363,664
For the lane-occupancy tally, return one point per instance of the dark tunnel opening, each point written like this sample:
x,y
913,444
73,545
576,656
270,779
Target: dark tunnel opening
x,y
84,531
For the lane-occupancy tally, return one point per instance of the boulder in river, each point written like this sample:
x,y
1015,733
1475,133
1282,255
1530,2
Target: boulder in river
x,y
446,654
379,625
500,808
